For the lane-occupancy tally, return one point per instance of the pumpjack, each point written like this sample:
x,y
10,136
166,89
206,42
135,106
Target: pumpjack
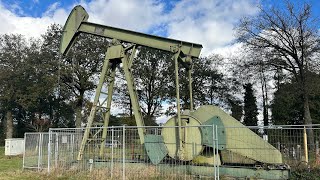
x,y
178,143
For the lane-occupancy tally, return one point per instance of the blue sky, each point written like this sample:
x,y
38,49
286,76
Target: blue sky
x,y
36,8
209,22
33,8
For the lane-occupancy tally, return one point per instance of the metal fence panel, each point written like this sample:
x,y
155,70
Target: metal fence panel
x,y
36,151
207,150
122,155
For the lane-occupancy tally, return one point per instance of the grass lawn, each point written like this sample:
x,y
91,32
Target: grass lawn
x,y
9,163
11,169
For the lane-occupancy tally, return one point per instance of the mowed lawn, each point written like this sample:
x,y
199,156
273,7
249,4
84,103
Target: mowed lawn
x,y
11,168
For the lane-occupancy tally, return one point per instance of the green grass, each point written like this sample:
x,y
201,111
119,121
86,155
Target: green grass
x,y
11,168
9,163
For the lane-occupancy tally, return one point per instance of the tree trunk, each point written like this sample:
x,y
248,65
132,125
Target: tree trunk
x,y
264,106
308,120
79,109
306,109
78,116
2,130
265,102
9,123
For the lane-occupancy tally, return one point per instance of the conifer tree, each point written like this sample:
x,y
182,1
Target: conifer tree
x,y
250,106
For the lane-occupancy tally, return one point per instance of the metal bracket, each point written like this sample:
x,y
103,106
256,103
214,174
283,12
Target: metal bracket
x,y
175,49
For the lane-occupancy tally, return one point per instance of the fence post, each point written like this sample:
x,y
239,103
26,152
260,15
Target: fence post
x,y
24,150
305,141
317,153
112,139
123,152
56,149
214,152
39,151
72,145
49,150
217,150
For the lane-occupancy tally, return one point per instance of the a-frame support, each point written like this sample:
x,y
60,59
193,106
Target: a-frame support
x,y
115,55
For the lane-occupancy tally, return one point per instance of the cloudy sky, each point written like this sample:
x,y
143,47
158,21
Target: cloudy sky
x,y
209,22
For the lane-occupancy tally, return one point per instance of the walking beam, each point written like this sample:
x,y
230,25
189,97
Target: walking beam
x,y
77,23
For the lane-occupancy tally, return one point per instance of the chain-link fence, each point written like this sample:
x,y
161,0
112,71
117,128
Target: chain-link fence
x,y
175,152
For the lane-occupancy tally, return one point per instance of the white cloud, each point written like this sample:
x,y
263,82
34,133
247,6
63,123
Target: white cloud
x,y
229,51
29,26
210,23
51,9
138,15
15,7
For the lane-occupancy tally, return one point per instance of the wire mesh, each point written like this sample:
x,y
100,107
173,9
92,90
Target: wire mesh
x,y
292,142
122,155
172,152
36,151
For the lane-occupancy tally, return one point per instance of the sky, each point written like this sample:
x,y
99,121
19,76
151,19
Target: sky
x,y
208,22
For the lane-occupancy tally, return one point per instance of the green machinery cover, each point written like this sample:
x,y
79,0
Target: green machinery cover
x,y
237,143
236,139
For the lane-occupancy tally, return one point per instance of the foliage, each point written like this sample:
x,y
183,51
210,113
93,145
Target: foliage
x,y
151,78
236,109
13,77
150,70
208,85
306,173
288,37
32,96
287,107
213,89
78,68
250,107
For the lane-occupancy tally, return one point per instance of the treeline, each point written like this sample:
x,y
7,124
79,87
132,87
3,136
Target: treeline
x,y
276,73
41,89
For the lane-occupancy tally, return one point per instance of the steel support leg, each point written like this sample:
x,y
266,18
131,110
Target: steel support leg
x,y
134,98
107,114
94,107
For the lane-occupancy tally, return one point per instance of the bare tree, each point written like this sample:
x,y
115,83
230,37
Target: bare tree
x,y
288,37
